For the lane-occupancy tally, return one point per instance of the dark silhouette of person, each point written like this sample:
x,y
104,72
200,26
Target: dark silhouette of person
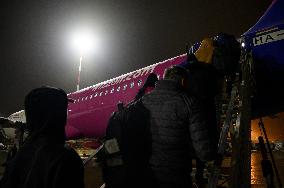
x,y
204,84
44,160
148,86
178,130
128,166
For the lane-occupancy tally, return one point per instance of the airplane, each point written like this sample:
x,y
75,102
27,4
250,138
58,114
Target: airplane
x,y
265,39
92,107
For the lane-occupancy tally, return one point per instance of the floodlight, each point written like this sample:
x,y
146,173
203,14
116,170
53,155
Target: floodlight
x,y
84,41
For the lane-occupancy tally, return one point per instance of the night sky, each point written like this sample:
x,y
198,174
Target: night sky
x,y
35,47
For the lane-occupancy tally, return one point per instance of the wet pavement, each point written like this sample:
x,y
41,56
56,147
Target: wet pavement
x,y
93,176
93,172
257,180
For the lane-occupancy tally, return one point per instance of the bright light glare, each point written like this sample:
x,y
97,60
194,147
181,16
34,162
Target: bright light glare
x,y
84,41
243,44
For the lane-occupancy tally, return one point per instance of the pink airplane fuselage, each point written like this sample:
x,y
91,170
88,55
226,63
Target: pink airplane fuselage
x,y
92,107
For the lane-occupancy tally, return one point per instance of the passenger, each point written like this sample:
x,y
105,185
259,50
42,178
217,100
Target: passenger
x,y
204,85
178,131
148,86
125,162
44,161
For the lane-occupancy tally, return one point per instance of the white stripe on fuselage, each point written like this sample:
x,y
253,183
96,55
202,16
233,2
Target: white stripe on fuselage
x,y
268,38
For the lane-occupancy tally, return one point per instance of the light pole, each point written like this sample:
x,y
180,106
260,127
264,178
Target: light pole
x,y
79,72
84,42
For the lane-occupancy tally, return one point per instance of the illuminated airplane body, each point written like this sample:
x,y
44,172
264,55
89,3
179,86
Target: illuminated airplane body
x,y
92,107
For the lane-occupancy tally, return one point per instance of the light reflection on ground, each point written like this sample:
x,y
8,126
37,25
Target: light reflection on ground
x,y
274,126
257,180
256,173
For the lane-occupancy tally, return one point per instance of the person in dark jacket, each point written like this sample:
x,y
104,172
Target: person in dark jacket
x,y
178,130
204,84
44,161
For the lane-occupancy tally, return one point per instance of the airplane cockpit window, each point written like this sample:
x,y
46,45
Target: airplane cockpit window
x,y
124,87
131,84
139,82
118,88
112,90
106,92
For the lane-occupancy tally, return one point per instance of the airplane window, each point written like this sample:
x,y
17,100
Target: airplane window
x,y
82,99
91,96
101,93
131,84
118,88
124,87
106,92
139,82
96,94
86,98
112,90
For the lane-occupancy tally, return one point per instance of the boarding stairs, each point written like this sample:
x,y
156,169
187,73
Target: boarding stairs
x,y
232,166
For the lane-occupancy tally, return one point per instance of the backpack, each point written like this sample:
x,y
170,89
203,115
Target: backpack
x,y
226,54
127,145
226,57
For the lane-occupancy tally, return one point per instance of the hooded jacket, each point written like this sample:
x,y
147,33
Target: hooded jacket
x,y
44,161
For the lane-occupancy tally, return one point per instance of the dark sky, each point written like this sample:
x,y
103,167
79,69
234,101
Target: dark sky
x,y
35,38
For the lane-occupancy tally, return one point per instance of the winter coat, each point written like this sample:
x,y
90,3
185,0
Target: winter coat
x,y
178,133
45,164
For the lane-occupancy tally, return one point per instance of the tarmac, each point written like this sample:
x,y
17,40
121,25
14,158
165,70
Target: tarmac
x,y
257,179
93,174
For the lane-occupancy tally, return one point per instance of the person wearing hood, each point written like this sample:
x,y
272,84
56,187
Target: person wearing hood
x,y
44,160
204,84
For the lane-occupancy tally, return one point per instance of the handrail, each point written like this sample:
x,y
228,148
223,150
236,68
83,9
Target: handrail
x,y
213,179
93,155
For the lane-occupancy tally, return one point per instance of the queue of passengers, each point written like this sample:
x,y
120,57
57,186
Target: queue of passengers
x,y
179,114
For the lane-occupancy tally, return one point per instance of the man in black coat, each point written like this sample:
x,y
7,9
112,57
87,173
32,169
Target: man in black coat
x,y
178,130
205,83
44,161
